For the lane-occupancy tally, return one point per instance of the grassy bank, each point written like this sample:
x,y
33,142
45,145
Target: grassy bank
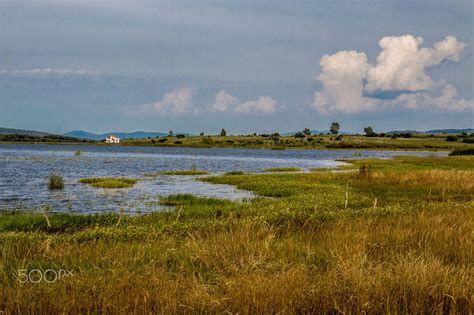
x,y
396,238
415,142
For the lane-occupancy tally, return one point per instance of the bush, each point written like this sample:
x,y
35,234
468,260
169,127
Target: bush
x,y
56,181
180,135
469,151
299,135
178,142
451,138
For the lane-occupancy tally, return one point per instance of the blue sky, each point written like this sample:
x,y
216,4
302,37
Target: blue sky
x,y
248,67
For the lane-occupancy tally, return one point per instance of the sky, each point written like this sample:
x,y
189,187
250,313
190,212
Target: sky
x,y
246,66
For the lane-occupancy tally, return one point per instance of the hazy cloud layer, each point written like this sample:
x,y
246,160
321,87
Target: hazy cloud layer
x,y
51,72
401,67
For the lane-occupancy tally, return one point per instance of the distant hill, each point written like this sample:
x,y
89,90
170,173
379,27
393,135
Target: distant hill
x,y
81,134
468,130
404,131
12,131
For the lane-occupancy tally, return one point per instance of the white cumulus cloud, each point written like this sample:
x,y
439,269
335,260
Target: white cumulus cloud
x,y
223,102
445,97
349,80
402,64
177,101
342,77
264,104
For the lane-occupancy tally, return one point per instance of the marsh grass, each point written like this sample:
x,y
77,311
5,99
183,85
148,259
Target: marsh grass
x,y
55,181
282,169
301,251
78,153
109,182
178,172
190,199
234,173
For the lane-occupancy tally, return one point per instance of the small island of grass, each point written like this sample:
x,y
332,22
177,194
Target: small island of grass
x,y
109,182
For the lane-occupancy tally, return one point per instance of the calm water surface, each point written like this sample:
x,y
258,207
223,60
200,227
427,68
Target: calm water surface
x,y
24,171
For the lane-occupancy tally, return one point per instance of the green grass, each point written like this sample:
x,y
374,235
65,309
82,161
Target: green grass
x,y
395,239
109,182
417,142
190,199
282,169
55,181
178,172
234,173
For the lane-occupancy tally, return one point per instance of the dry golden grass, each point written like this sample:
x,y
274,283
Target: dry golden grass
x,y
300,252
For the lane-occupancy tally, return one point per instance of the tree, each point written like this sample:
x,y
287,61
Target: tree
x,y
307,131
223,132
170,133
334,128
369,132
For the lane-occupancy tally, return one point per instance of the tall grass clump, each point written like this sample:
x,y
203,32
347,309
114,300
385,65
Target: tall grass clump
x,y
78,153
55,181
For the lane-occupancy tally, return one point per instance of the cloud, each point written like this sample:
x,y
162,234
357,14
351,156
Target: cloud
x,y
446,99
51,72
264,104
402,64
223,102
178,101
342,76
351,84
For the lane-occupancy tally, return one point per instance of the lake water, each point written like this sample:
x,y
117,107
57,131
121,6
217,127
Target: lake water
x,y
24,171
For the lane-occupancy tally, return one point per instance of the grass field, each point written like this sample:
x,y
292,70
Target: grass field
x,y
393,237
416,142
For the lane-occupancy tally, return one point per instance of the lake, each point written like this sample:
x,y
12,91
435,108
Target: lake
x,y
25,168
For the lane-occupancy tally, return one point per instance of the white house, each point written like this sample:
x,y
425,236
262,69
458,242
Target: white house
x,y
112,139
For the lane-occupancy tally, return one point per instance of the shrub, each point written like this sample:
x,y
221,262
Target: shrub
x,y
180,135
299,135
451,138
469,151
178,142
163,140
78,153
55,181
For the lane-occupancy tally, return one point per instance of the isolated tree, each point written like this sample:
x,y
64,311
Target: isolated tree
x,y
170,133
334,128
369,131
223,132
307,131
